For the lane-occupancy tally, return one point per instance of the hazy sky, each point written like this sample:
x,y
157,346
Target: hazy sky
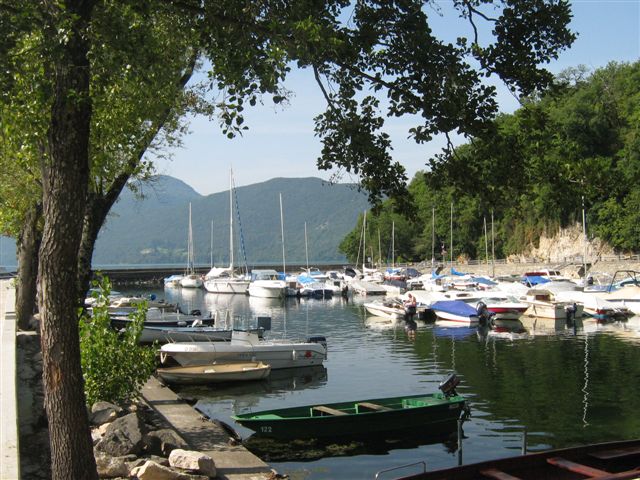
x,y
280,141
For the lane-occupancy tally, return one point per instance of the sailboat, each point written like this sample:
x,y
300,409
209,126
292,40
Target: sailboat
x,y
190,279
224,280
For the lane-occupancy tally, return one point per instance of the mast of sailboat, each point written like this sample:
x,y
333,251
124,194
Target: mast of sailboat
x,y
451,243
433,235
584,234
364,242
190,246
306,246
493,249
211,243
284,267
231,220
379,249
393,244
486,240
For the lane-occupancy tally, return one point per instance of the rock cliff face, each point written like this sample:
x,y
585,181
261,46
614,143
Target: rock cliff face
x,y
566,245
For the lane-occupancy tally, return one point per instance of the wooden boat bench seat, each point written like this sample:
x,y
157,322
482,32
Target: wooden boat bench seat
x,y
373,407
576,467
616,453
322,410
497,474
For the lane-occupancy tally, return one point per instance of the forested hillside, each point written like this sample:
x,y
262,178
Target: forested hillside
x,y
575,148
154,229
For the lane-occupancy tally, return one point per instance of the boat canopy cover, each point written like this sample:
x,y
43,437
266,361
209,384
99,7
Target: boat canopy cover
x,y
455,272
531,280
484,281
457,307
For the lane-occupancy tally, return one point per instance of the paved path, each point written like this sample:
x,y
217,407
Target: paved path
x,y
9,453
233,462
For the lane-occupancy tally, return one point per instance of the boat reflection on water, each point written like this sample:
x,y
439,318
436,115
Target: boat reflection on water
x,y
280,380
311,449
550,326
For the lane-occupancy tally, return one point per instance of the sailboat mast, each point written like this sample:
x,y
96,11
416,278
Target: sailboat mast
x,y
364,242
393,244
211,243
231,220
433,235
306,247
190,245
284,267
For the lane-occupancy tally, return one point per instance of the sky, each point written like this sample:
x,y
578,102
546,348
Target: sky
x,y
280,141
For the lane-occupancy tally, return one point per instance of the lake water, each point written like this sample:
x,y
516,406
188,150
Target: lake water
x,y
562,385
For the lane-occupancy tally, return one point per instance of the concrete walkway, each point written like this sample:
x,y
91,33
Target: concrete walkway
x,y
233,462
9,451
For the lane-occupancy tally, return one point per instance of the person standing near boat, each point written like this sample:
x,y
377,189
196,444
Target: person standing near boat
x,y
410,307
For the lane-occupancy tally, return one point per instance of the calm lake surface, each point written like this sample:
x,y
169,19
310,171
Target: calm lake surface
x,y
563,385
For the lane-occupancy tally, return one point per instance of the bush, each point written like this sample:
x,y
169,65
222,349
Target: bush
x,y
114,365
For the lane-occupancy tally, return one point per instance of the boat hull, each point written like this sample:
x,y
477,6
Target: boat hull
x,y
204,374
246,347
435,413
227,286
380,310
620,457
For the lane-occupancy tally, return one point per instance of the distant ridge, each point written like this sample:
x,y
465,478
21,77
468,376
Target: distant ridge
x,y
153,230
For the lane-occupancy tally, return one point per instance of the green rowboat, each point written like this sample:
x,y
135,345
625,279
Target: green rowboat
x,y
436,413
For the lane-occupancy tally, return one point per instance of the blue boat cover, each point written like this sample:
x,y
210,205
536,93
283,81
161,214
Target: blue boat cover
x,y
484,281
532,280
456,307
455,272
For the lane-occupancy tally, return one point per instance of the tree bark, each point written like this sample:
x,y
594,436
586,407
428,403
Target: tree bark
x,y
28,245
65,178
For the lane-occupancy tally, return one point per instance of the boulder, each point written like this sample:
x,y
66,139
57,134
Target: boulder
x,y
122,437
162,442
104,412
196,462
113,467
152,471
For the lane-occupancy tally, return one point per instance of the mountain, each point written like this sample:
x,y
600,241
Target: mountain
x,y
154,228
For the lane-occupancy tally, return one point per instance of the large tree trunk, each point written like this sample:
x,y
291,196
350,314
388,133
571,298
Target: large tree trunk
x,y
65,178
28,246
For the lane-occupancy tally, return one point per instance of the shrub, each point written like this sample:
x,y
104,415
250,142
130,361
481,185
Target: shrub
x,y
114,365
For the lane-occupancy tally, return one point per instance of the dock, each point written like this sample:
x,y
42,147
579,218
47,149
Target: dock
x,y
361,287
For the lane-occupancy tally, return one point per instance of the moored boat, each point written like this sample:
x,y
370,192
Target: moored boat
x,y
611,460
434,413
393,309
215,373
456,311
245,346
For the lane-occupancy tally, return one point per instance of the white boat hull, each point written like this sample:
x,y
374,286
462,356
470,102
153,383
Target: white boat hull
x,y
267,289
226,286
246,347
380,310
459,319
191,281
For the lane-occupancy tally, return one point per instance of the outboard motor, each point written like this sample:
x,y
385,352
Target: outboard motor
x,y
570,311
484,315
195,312
321,339
448,385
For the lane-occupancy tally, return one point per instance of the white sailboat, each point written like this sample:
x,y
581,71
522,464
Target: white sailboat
x,y
225,280
191,279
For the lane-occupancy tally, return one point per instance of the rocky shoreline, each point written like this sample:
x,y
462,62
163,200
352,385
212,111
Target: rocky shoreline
x,y
131,441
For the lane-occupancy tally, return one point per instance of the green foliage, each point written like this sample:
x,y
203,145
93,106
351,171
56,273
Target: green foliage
x,y
578,141
114,365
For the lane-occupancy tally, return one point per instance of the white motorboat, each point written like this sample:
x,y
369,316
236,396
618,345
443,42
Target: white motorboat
x,y
594,305
216,373
455,311
192,333
544,304
246,346
192,280
392,309
266,284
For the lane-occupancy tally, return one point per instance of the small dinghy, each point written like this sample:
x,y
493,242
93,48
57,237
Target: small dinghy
x,y
215,373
